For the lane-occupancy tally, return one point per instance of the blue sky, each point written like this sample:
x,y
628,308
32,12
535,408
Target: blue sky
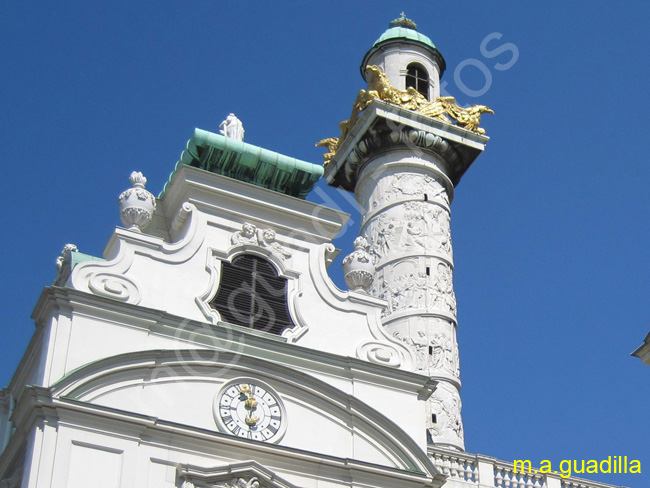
x,y
550,225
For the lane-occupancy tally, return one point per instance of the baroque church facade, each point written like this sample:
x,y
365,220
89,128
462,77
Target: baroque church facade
x,y
209,347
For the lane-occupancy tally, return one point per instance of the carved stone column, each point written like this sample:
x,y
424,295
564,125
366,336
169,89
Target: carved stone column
x,y
406,221
402,167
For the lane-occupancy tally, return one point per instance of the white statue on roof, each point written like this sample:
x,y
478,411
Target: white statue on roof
x,y
232,128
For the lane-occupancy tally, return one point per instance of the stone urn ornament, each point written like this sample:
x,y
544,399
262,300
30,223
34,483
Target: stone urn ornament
x,y
358,268
137,205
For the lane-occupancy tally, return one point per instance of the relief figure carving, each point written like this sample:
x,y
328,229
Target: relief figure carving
x,y
445,404
381,236
417,345
443,354
410,185
443,297
249,234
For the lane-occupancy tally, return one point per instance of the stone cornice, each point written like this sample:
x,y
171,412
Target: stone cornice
x,y
222,196
4,399
38,405
193,334
359,415
643,352
246,470
384,127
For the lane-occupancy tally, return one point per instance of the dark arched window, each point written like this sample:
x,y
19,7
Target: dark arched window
x,y
418,78
251,294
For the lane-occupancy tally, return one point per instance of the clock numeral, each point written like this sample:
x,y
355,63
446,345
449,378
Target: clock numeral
x,y
260,420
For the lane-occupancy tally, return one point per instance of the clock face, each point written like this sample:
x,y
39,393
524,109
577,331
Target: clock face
x,y
250,409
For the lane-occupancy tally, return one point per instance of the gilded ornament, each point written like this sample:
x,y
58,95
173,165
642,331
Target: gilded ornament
x,y
251,420
444,109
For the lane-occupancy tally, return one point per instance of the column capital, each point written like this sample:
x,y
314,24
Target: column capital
x,y
386,127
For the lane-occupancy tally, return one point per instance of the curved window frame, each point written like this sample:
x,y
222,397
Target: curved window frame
x,y
252,294
417,77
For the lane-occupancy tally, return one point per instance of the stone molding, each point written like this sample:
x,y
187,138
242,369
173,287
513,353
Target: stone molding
x,y
77,390
238,475
236,201
39,407
180,330
294,288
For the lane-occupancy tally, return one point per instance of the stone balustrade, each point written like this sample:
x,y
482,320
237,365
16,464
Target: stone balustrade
x,y
458,466
464,470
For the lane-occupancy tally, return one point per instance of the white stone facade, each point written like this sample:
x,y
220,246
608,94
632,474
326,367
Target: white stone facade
x,y
128,359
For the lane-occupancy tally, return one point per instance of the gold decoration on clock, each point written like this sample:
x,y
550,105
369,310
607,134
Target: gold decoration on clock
x,y
251,409
251,420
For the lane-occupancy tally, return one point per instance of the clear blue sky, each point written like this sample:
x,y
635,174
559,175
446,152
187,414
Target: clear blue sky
x,y
550,225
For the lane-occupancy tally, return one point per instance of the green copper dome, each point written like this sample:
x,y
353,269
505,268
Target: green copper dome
x,y
404,30
404,33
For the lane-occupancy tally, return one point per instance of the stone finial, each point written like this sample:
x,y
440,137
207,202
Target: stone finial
x,y
358,268
137,205
63,264
232,128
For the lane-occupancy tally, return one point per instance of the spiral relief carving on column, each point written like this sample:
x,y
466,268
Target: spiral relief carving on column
x,y
407,226
433,342
444,420
404,287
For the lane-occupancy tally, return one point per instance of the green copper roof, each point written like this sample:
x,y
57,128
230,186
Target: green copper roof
x,y
252,164
79,257
404,33
404,30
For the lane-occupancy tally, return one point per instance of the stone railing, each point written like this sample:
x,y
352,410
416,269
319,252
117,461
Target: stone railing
x,y
456,465
506,477
465,470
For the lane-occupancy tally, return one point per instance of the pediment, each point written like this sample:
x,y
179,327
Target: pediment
x,y
241,475
183,387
